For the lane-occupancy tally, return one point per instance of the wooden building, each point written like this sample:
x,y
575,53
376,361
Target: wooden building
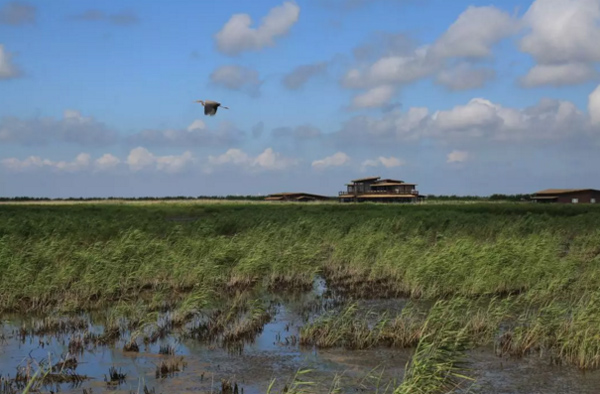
x,y
296,197
379,190
567,196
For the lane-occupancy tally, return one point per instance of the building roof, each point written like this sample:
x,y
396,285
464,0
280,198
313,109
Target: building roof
x,y
371,178
392,184
544,198
562,191
390,181
293,194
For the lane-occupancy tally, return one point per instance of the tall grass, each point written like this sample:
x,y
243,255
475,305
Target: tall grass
x,y
532,270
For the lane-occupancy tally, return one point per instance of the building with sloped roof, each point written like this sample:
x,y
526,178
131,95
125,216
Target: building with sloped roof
x,y
375,189
567,196
296,197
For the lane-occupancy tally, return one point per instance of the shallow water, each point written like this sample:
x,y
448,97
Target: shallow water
x,y
275,354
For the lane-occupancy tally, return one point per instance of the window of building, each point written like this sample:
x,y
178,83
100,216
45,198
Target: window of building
x,y
575,200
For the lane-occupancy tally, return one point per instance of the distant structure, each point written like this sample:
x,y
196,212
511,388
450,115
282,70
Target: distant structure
x,y
297,197
567,196
375,189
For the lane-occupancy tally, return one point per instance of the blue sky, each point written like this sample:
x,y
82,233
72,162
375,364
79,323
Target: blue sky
x,y
97,99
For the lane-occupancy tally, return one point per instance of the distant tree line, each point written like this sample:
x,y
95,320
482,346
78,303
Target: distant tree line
x,y
493,197
431,197
228,197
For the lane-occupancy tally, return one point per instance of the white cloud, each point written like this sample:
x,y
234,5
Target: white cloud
x,y
464,77
475,32
140,158
376,97
478,121
558,74
563,31
390,162
72,128
477,113
387,162
197,125
7,69
238,78
237,35
106,162
594,106
472,36
457,156
563,38
336,160
81,162
393,69
268,160
196,134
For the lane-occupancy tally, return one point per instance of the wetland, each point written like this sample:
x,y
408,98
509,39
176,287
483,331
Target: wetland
x,y
299,298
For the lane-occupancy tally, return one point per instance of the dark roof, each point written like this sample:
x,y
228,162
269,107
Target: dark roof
x,y
563,191
296,195
392,184
389,181
371,178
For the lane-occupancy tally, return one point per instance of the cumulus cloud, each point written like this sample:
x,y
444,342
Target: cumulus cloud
x,y
562,38
237,35
238,78
558,74
383,44
8,69
17,13
196,134
472,36
464,77
373,98
268,160
392,69
138,159
476,122
106,162
457,156
299,76
72,128
594,106
81,162
123,18
338,159
387,162
141,159
475,32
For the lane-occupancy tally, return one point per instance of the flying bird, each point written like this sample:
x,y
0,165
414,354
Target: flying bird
x,y
210,107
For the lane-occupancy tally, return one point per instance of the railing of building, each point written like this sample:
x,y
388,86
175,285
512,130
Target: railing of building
x,y
359,192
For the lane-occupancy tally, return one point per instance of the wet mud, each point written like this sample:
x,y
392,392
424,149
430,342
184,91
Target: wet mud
x,y
258,349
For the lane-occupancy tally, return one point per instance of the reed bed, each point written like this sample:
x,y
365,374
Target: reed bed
x,y
522,277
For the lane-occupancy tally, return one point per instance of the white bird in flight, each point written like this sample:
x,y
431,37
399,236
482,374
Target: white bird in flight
x,y
210,107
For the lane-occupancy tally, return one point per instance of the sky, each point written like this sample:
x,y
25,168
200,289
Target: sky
x,y
460,97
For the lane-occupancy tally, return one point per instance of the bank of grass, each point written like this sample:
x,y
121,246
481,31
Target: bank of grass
x,y
531,270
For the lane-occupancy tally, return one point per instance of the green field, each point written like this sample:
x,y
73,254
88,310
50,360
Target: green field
x,y
521,278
